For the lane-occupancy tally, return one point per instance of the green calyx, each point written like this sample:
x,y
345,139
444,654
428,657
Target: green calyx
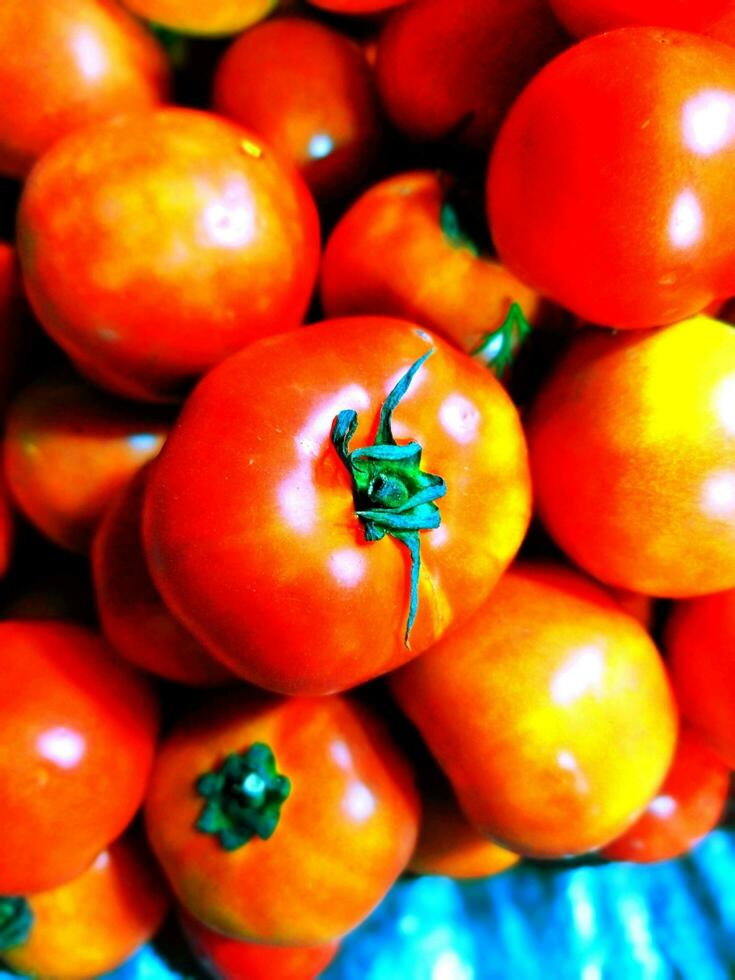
x,y
392,495
243,797
453,231
497,349
16,920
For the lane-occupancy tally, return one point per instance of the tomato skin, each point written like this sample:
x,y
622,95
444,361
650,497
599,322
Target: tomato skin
x,y
453,69
93,923
250,526
631,442
133,617
84,738
175,217
308,91
388,255
345,832
356,6
549,711
609,190
68,450
685,809
217,17
232,959
700,640
66,64
583,17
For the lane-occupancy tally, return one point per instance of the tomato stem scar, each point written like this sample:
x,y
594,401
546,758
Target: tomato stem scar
x,y
392,495
16,920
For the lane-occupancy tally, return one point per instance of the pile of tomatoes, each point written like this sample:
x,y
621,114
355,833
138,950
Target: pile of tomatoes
x,y
290,375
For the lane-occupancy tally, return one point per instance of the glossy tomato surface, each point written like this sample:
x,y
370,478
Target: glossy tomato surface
x,y
583,17
132,614
346,829
194,17
250,523
77,735
453,69
685,809
174,218
610,188
68,63
93,923
68,449
308,91
632,440
549,711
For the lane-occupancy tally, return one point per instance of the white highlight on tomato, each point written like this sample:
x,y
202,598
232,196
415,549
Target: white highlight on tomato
x,y
347,566
89,53
62,746
582,673
709,121
718,495
686,220
359,802
460,418
229,221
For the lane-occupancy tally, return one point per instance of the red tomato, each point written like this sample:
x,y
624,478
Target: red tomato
x,y
195,17
232,959
549,711
250,522
700,639
68,63
312,802
68,450
308,91
174,218
77,734
397,252
453,69
93,923
632,441
583,17
610,188
132,614
685,809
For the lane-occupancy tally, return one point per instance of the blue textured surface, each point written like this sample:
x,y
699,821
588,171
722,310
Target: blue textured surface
x,y
672,921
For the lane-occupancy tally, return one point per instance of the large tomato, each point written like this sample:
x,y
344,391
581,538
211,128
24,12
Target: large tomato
x,y
281,821
156,244
251,521
632,444
68,63
77,734
611,184
550,712
583,17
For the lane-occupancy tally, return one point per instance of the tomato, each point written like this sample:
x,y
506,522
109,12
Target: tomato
x,y
453,69
94,922
308,91
232,959
583,17
632,440
174,218
685,809
68,450
68,63
700,639
133,617
610,188
281,821
194,17
250,521
77,734
396,251
549,711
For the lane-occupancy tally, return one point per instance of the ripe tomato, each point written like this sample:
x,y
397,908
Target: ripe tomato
x,y
395,252
250,522
453,69
232,959
77,734
93,923
347,825
308,91
68,63
583,17
211,18
549,711
632,441
610,187
177,218
68,450
685,809
133,617
700,639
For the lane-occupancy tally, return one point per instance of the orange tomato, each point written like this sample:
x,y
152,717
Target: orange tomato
x,y
214,17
